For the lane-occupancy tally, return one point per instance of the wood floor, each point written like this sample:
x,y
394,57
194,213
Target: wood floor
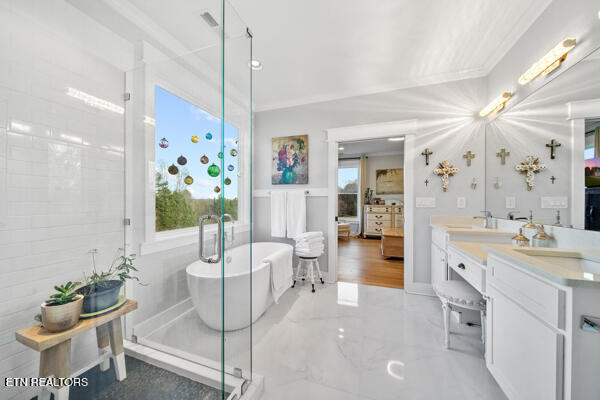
x,y
360,261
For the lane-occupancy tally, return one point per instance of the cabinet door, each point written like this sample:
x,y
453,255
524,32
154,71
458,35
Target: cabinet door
x,y
524,355
438,264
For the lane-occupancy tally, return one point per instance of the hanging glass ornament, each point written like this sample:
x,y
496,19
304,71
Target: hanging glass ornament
x,y
230,167
181,160
236,142
204,159
213,170
173,170
217,189
220,155
195,139
188,180
209,136
227,181
233,152
163,143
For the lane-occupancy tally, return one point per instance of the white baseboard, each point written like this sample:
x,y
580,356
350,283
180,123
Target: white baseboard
x,y
423,289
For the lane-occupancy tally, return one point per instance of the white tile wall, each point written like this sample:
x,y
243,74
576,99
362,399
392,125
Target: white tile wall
x,y
61,166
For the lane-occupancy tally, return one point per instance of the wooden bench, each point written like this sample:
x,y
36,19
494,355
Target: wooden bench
x,y
55,347
343,230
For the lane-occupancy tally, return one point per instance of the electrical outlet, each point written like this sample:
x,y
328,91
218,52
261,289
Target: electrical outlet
x,y
461,202
510,202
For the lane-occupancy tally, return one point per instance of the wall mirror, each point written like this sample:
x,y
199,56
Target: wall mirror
x,y
543,154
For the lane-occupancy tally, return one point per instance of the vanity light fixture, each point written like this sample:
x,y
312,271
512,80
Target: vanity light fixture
x,y
340,148
496,105
549,62
396,139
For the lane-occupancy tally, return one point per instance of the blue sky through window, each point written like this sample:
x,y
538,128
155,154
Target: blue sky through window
x,y
178,120
347,175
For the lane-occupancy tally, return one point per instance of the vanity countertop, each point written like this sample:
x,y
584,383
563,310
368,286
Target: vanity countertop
x,y
566,267
474,228
475,250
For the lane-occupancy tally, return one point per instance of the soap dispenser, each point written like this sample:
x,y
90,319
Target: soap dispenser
x,y
520,239
540,239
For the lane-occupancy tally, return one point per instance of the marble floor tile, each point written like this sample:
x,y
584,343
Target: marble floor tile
x,y
349,341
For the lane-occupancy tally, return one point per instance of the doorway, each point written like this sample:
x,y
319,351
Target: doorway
x,y
370,212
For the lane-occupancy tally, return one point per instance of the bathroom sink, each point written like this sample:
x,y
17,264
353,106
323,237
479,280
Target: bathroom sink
x,y
572,260
464,226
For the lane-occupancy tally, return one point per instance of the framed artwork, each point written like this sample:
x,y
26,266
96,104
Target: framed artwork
x,y
289,160
389,181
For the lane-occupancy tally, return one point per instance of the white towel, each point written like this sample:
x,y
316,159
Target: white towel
x,y
282,274
309,235
278,213
296,213
309,242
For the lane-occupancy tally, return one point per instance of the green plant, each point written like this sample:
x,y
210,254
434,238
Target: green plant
x,y
65,294
120,268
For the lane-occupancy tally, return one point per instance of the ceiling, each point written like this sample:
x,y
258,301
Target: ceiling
x,y
370,148
315,50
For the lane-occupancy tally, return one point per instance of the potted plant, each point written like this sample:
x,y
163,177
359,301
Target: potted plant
x,y
61,311
102,288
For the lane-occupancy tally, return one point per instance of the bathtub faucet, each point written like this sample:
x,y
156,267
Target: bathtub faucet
x,y
232,228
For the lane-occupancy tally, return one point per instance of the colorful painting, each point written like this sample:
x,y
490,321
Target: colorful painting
x,y
389,181
289,160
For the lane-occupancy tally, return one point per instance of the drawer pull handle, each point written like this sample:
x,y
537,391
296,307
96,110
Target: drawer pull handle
x,y
461,266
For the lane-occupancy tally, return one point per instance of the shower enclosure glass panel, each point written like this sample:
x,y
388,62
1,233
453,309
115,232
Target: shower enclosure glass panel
x,y
189,137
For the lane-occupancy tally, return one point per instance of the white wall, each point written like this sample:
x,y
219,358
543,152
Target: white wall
x,y
61,166
446,124
383,162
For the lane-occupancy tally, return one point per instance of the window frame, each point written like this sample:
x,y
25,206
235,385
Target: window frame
x,y
165,240
354,163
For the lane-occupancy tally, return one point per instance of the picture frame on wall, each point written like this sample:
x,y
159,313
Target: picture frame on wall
x,y
389,181
289,164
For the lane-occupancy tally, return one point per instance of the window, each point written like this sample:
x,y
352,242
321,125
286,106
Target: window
x,y
348,193
188,164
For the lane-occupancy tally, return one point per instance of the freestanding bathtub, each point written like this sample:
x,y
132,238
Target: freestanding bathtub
x,y
204,283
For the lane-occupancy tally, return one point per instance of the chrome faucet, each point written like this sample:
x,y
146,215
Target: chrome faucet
x,y
557,221
488,222
511,215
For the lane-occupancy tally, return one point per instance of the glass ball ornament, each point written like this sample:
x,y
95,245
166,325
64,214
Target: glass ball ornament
x,y
209,136
233,152
181,160
163,143
204,159
173,170
188,180
213,170
227,181
230,167
217,189
195,139
220,155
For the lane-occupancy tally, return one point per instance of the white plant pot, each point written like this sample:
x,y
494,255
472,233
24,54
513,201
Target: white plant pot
x,y
62,317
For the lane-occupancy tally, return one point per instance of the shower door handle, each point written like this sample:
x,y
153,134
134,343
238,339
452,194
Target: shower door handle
x,y
217,258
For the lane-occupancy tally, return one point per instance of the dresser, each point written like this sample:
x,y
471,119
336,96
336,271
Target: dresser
x,y
379,217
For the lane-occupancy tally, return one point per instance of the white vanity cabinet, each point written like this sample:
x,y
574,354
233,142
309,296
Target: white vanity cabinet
x,y
535,347
439,269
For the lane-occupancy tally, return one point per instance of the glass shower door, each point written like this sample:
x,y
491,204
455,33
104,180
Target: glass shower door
x,y
189,126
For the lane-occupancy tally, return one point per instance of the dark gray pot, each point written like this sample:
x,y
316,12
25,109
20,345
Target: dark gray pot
x,y
101,297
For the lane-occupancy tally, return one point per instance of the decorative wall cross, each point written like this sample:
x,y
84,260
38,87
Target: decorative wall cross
x,y
530,167
553,178
469,156
503,154
553,145
445,170
426,182
427,153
